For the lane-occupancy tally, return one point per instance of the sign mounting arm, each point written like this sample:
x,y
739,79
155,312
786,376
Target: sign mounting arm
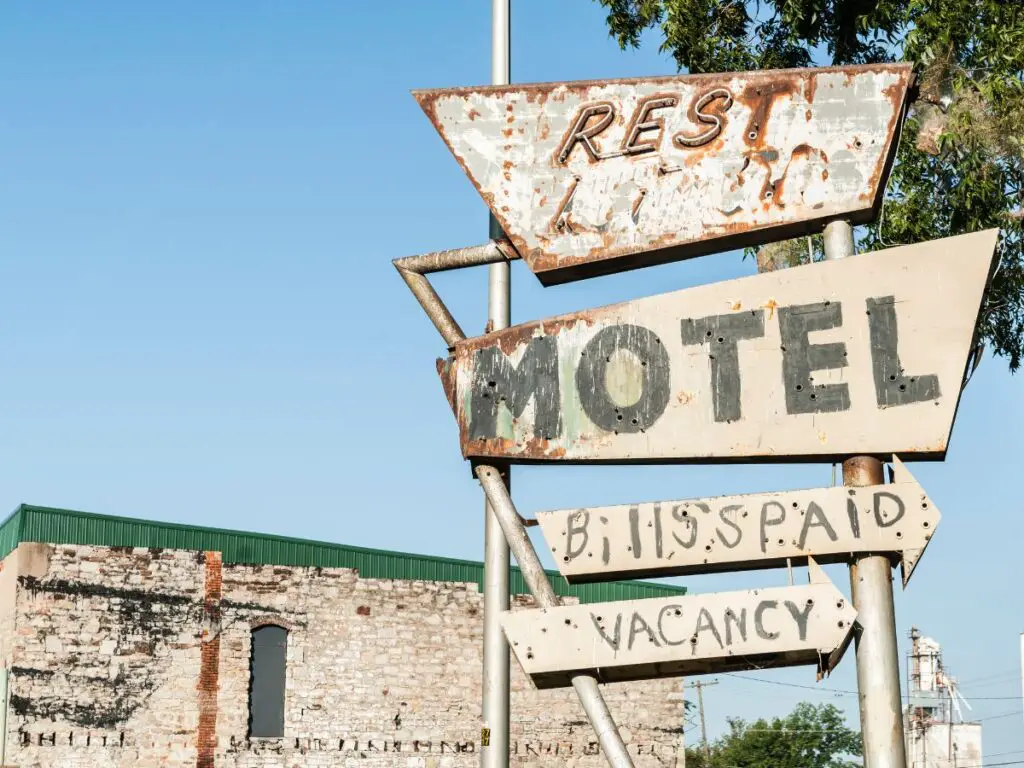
x,y
537,581
414,270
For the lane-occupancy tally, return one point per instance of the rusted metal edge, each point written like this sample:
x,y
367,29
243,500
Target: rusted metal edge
x,y
414,270
654,256
975,339
709,76
889,156
705,247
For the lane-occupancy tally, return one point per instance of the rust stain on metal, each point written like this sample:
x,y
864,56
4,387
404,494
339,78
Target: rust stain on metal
x,y
740,136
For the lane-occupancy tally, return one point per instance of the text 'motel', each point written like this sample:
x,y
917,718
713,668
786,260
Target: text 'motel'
x,y
860,356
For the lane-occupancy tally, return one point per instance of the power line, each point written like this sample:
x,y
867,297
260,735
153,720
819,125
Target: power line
x,y
837,691
984,763
1014,678
997,717
843,692
1004,673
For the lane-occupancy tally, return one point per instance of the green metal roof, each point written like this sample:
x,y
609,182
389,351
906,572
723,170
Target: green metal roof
x,y
64,526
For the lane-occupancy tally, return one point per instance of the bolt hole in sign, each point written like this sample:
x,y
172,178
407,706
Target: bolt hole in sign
x,y
590,178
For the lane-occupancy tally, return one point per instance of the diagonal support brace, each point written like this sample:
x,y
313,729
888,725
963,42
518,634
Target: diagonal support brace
x,y
537,580
414,270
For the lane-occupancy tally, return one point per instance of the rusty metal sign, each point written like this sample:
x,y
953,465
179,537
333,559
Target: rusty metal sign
x,y
736,533
597,177
860,356
692,634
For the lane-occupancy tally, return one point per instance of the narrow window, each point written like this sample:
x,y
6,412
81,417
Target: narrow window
x,y
266,681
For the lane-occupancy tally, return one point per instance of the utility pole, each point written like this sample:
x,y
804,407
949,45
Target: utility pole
x,y
682,729
703,726
495,709
878,666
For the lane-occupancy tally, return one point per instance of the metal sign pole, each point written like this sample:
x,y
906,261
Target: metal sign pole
x,y
878,666
544,594
495,709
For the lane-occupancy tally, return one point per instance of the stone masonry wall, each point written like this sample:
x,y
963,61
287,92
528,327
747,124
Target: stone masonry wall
x,y
139,657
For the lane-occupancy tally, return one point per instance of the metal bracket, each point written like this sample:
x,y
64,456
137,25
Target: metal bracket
x,y
414,270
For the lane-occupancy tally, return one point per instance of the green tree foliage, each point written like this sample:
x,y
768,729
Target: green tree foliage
x,y
811,736
960,164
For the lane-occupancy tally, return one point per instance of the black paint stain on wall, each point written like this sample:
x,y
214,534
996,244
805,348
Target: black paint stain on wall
x,y
140,622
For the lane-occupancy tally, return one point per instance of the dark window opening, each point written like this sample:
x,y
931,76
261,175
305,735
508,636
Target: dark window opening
x,y
266,681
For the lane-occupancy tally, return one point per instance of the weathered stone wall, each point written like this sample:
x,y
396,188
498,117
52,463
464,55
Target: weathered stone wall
x,y
140,657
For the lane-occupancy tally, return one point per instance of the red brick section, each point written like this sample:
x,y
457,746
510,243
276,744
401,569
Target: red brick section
x,y
209,667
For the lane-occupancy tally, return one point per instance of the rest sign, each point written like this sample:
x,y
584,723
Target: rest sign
x,y
591,178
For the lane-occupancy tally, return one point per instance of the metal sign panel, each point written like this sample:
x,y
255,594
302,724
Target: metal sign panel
x,y
860,356
597,177
692,634
735,533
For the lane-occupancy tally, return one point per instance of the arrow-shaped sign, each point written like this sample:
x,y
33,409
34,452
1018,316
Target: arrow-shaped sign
x,y
597,177
734,533
692,634
860,356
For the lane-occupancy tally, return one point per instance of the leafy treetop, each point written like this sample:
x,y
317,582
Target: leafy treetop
x,y
811,736
960,162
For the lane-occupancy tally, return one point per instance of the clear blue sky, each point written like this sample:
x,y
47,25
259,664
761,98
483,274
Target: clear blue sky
x,y
200,322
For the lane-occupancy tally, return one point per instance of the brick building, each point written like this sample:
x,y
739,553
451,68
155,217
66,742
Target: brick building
x,y
134,643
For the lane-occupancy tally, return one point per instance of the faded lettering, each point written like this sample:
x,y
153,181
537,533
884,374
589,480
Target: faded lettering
x,y
766,521
659,549
706,623
670,627
815,518
707,118
740,622
634,531
800,358
851,512
680,514
800,616
623,376
883,517
653,370
726,515
669,610
642,123
577,527
722,334
759,612
497,382
892,385
637,625
585,128
612,641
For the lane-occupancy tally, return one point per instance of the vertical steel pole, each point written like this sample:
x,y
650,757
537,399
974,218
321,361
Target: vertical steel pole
x,y
495,708
878,664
